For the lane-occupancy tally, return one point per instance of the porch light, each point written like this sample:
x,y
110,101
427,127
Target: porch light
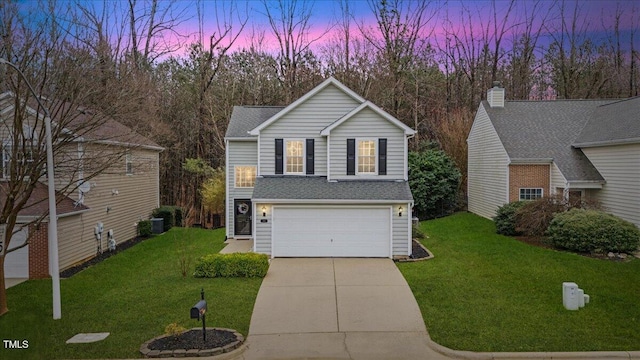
x,y
400,211
264,211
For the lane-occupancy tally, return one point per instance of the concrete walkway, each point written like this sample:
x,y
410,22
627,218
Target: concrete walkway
x,y
336,309
237,246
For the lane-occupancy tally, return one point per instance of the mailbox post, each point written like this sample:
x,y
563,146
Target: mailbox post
x,y
198,311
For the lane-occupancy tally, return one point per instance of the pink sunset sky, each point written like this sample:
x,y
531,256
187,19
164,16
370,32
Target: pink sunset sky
x,y
598,14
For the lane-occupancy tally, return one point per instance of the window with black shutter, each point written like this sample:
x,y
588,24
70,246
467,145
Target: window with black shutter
x,y
310,156
382,156
351,156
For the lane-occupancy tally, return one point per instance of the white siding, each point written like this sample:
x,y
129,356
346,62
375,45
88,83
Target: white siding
x,y
557,179
305,122
262,237
488,167
367,125
117,200
620,167
241,153
401,227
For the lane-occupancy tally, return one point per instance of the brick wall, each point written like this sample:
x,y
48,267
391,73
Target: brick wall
x,y
528,176
38,251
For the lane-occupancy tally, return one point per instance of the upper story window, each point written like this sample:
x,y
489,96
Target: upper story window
x,y
245,176
366,157
23,156
530,193
128,163
295,157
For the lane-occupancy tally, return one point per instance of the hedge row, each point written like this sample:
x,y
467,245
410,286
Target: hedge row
x,y
232,265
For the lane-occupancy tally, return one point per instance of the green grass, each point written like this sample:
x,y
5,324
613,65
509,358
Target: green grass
x,y
133,295
487,292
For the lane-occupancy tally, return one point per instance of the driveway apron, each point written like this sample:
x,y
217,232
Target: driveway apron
x,y
336,308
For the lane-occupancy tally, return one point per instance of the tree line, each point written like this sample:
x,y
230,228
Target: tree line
x,y
426,63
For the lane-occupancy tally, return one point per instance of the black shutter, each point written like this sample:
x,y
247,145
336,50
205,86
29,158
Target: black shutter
x,y
351,156
279,156
382,156
310,156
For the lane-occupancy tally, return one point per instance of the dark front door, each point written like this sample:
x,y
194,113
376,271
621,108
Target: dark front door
x,y
242,223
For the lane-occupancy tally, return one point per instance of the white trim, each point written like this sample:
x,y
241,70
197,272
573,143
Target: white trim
x,y
285,156
227,176
508,172
406,159
328,158
327,201
586,184
126,144
530,188
305,97
368,104
409,228
390,232
252,138
607,143
530,161
259,168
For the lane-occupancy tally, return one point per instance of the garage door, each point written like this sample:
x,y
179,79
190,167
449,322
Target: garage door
x,y
331,232
16,263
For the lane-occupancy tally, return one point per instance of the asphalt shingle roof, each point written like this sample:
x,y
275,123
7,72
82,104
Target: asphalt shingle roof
x,y
246,118
547,129
613,123
318,188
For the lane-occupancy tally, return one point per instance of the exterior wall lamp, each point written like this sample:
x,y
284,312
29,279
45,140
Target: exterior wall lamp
x,y
400,211
264,211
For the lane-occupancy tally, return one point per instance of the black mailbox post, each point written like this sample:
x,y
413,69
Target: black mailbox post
x,y
199,311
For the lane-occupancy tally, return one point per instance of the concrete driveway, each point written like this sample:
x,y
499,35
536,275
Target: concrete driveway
x,y
336,309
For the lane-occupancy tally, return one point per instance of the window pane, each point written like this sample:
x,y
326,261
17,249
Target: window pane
x,y
295,150
245,176
366,156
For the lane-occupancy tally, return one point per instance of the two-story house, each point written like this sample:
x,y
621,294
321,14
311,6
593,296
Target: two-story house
x,y
325,176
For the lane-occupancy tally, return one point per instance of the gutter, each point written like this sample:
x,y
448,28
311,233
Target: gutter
x,y
607,143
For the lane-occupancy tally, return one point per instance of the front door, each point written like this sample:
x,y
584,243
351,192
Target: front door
x,y
242,223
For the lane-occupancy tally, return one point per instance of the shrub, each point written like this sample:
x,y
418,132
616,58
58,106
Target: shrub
x,y
505,218
232,265
592,230
144,228
174,329
167,213
434,181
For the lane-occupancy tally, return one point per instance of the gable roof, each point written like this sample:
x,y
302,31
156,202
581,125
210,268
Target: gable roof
x,y
246,118
103,130
38,205
547,129
318,188
612,124
368,105
305,97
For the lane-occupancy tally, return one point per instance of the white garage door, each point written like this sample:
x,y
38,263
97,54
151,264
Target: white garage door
x,y
16,263
331,232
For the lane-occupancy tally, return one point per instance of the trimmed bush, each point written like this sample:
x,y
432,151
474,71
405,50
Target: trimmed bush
x,y
167,213
593,231
505,218
232,265
144,228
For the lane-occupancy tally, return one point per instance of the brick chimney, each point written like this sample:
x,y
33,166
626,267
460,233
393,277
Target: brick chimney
x,y
495,95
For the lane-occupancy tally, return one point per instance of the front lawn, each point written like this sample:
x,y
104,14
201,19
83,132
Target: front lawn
x,y
487,292
133,295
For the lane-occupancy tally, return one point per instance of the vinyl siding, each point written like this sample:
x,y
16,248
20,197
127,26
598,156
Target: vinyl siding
x,y
620,167
262,238
367,125
558,182
241,153
137,195
401,226
487,167
305,122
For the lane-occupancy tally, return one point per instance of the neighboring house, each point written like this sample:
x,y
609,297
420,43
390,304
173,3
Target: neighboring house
x,y
323,177
582,149
119,197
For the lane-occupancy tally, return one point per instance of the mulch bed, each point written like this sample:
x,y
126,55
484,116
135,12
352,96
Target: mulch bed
x,y
105,255
417,251
191,344
192,339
